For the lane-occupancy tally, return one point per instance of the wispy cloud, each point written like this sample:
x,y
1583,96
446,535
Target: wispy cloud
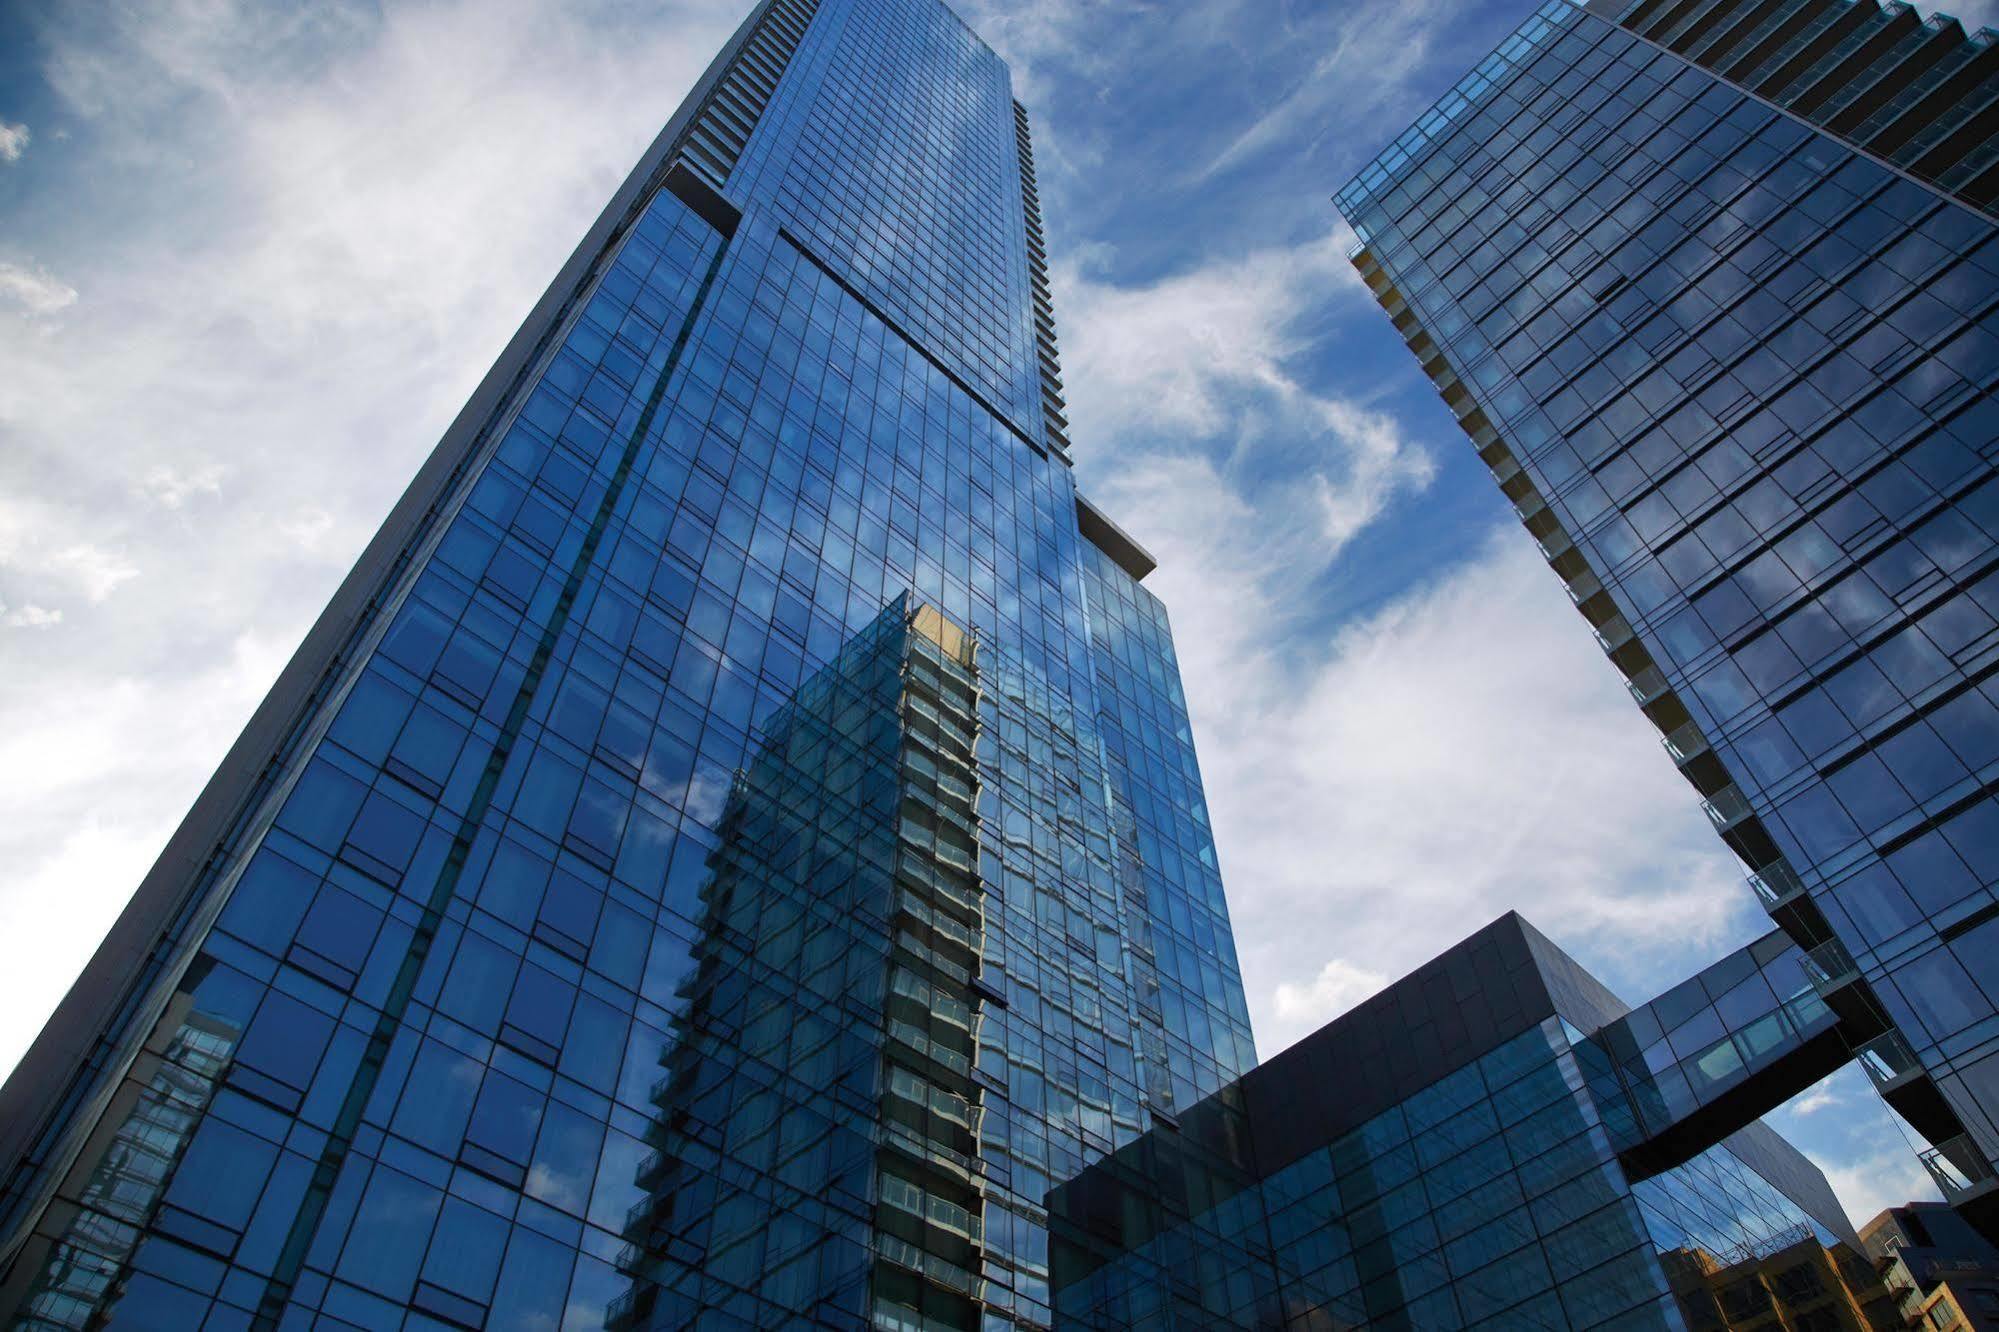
x,y
311,230
172,487
1384,788
1869,1183
29,616
1822,1095
34,289
1339,985
1201,361
1367,54
13,141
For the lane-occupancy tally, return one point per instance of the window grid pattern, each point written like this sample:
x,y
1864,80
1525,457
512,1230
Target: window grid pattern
x,y
1738,381
444,1103
1182,947
896,159
1490,1199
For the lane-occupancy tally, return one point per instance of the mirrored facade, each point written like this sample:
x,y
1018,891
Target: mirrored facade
x,y
732,855
1440,1157
1736,375
732,845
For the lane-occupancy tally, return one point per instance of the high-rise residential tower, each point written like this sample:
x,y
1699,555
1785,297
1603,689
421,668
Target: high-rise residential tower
x,y
1714,289
730,845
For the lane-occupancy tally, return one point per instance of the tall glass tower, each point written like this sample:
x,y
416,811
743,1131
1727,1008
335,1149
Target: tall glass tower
x,y
730,846
1714,290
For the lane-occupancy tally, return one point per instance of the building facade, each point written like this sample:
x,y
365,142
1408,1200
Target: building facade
x,y
732,855
1445,1156
1727,334
730,846
1943,1276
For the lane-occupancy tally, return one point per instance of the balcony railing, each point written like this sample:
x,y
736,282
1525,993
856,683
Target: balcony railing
x,y
1888,1059
1647,685
1776,883
1727,807
1958,1167
1583,588
1830,966
1529,504
1685,742
1556,544
1614,633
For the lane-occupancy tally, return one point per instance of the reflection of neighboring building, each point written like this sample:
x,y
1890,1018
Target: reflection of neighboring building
x,y
1710,289
1807,1286
1454,1153
1942,1274
831,1016
74,1279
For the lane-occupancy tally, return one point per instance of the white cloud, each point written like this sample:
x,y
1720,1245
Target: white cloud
x,y
171,487
1869,1183
92,792
1202,358
1382,790
1339,985
13,141
1822,1095
97,572
307,528
1364,70
29,616
35,290
311,232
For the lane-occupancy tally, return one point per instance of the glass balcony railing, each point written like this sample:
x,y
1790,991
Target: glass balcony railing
x,y
1685,742
1727,807
1583,588
1614,633
1958,1167
1556,544
1888,1059
1529,504
1776,883
1647,685
1830,966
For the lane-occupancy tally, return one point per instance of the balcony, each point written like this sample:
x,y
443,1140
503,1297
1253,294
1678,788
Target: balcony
x,y
1726,807
1530,504
1685,743
1556,544
1829,966
1647,685
1583,587
1888,1060
1776,884
1614,633
1959,1169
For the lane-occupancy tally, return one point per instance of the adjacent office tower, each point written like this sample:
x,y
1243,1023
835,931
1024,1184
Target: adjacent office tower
x,y
1465,1149
1714,290
730,845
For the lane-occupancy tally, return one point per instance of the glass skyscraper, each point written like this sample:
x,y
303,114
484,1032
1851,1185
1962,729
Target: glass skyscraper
x,y
733,842
732,856
1714,290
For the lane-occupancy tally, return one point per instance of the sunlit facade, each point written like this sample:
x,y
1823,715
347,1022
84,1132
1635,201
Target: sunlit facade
x,y
732,844
732,855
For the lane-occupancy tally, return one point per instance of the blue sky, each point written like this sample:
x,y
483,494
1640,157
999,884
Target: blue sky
x,y
254,256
